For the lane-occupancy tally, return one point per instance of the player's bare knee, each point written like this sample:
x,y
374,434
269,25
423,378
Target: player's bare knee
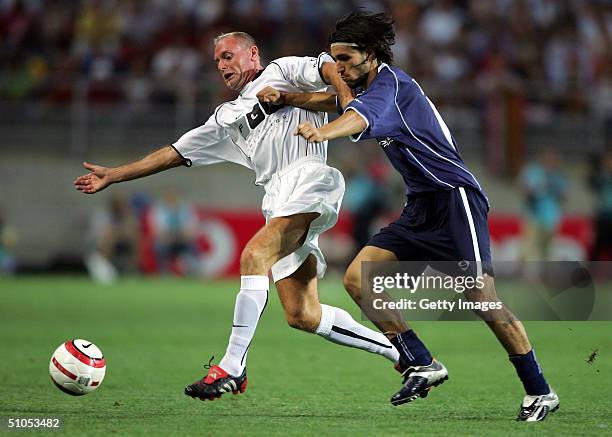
x,y
486,293
352,284
252,261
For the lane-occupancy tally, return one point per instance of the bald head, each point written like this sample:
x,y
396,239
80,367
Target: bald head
x,y
237,58
242,37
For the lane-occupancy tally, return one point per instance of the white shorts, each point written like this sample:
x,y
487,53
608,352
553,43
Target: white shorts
x,y
307,185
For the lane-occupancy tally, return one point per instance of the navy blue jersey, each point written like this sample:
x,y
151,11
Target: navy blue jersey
x,y
412,133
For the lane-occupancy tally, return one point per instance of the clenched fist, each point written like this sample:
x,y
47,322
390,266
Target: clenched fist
x,y
310,133
271,96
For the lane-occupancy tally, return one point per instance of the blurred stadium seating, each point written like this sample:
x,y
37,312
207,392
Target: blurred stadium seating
x,y
108,80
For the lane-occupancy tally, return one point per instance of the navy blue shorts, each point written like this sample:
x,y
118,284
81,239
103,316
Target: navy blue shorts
x,y
448,226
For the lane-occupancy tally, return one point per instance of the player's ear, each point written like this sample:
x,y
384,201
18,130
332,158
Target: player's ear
x,y
370,55
254,53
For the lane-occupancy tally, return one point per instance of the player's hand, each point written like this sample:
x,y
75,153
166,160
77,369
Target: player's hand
x,y
310,133
271,96
97,180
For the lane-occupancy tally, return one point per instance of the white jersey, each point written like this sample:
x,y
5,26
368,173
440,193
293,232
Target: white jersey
x,y
256,135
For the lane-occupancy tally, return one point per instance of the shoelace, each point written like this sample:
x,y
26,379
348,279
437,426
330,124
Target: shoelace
x,y
525,412
209,365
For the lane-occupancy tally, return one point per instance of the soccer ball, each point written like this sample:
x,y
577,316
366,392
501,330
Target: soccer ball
x,y
77,367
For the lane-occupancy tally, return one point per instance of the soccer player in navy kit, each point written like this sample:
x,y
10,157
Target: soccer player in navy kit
x,y
445,216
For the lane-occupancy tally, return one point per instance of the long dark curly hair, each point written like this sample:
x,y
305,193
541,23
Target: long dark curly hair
x,y
372,32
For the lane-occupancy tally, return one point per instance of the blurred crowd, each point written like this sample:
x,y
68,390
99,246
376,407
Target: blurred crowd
x,y
556,55
142,234
163,234
169,235
558,51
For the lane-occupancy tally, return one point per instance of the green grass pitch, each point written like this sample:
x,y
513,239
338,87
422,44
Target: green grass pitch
x,y
157,333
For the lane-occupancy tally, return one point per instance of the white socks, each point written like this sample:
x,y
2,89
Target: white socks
x,y
338,326
250,303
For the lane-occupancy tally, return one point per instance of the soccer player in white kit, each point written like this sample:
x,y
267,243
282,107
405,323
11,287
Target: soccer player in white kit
x,y
302,200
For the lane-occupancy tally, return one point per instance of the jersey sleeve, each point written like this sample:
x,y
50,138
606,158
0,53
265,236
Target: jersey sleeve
x,y
377,106
304,73
209,144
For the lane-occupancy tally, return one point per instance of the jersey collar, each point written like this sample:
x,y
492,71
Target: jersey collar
x,y
245,87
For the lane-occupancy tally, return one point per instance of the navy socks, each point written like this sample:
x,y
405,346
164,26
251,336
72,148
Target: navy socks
x,y
412,350
530,373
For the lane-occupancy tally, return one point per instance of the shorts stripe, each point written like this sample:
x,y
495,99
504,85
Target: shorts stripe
x,y
468,212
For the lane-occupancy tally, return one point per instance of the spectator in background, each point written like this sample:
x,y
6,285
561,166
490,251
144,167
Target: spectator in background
x,y
544,186
19,81
97,26
601,96
140,20
174,229
601,182
8,239
365,196
101,68
114,238
16,25
175,69
138,86
441,23
559,49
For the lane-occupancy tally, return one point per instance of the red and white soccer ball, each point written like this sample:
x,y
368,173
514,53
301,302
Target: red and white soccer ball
x,y
77,367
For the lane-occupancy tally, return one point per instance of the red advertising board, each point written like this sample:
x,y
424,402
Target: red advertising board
x,y
223,233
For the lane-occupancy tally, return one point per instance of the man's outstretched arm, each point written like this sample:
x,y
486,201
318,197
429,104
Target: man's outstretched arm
x,y
101,177
324,102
